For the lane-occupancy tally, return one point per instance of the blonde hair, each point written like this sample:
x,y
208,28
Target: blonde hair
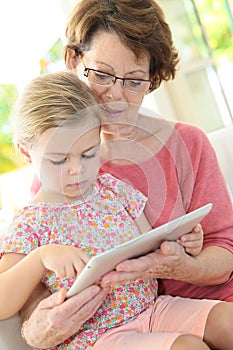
x,y
49,101
140,25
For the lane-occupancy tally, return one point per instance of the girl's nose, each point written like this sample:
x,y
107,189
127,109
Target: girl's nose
x,y
76,166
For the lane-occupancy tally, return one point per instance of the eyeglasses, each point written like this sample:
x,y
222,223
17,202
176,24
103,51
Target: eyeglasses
x,y
105,79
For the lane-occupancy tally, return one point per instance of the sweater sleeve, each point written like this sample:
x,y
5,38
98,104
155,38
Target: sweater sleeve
x,y
207,184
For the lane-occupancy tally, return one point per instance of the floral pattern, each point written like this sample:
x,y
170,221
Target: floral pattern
x,y
100,222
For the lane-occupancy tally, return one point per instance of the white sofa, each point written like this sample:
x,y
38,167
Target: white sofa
x,y
10,334
222,141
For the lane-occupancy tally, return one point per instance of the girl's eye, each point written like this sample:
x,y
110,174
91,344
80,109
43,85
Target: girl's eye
x,y
92,153
58,162
88,156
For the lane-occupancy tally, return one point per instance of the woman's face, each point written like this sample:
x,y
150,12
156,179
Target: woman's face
x,y
109,55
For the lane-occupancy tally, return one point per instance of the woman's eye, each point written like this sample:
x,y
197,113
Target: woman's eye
x,y
135,83
102,76
58,162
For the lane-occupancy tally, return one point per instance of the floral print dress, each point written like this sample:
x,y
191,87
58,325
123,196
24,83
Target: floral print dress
x,y
100,222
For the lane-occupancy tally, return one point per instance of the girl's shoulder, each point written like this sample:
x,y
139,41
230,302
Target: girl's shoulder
x,y
116,188
107,181
34,212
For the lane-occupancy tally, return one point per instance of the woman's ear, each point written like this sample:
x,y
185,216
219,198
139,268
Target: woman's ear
x,y
71,59
24,152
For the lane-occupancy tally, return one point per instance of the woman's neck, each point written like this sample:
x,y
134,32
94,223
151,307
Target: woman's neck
x,y
134,144
120,133
125,148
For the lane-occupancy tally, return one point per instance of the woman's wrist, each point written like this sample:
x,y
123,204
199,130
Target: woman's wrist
x,y
23,335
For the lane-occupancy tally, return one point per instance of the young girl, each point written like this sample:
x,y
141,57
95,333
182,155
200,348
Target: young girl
x,y
78,213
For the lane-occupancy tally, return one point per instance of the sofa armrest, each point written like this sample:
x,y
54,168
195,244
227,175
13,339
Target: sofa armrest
x,y
10,334
222,141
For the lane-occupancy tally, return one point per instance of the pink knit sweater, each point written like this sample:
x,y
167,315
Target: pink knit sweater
x,y
181,177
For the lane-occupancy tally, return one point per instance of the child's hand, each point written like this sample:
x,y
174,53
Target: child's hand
x,y
193,241
66,261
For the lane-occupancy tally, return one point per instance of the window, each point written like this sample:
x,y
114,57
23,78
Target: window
x,y
200,94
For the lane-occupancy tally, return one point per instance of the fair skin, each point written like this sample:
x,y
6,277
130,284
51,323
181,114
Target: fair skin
x,y
68,165
171,261
67,159
77,309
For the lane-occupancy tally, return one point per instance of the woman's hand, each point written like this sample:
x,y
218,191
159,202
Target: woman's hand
x,y
193,241
168,261
55,318
211,267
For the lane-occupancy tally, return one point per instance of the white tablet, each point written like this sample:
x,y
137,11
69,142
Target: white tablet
x,y
145,243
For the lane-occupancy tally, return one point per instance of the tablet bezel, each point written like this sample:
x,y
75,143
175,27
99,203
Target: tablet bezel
x,y
104,262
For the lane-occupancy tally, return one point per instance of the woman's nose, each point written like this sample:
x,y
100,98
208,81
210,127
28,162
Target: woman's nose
x,y
116,91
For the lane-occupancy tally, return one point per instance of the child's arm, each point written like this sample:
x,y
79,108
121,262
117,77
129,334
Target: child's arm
x,y
142,223
20,274
192,242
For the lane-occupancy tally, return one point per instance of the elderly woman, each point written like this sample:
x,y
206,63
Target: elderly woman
x,y
123,50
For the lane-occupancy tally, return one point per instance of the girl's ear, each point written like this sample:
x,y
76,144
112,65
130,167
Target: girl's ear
x,y
71,59
24,152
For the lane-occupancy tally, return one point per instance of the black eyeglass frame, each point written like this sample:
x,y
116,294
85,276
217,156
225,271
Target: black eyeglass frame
x,y
115,78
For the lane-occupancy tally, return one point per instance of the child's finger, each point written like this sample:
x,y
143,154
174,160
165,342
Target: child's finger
x,y
60,271
70,271
78,265
84,257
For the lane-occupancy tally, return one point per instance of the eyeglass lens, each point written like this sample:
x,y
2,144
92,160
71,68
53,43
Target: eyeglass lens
x,y
105,79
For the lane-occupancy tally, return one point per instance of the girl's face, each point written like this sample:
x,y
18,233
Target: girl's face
x,y
67,161
109,55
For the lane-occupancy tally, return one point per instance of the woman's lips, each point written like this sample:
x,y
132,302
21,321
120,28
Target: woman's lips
x,y
112,112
